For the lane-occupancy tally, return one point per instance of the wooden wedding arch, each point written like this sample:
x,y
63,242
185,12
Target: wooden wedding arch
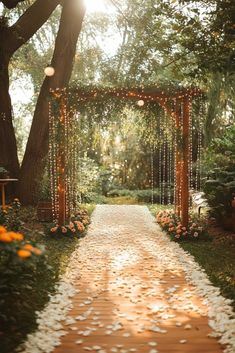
x,y
176,103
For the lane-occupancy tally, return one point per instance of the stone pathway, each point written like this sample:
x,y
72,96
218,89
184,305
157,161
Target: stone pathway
x,y
135,291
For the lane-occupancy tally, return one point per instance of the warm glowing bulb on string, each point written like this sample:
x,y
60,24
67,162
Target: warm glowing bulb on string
x,y
140,103
49,70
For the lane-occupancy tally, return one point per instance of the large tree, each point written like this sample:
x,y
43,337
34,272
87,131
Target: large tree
x,y
62,61
11,39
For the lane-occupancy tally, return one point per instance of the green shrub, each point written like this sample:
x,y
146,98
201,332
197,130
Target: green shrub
x,y
143,196
121,192
220,187
10,216
20,263
93,197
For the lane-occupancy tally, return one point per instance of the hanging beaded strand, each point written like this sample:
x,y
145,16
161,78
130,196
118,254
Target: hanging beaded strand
x,y
181,144
190,162
160,157
51,166
174,140
152,144
163,159
199,147
169,159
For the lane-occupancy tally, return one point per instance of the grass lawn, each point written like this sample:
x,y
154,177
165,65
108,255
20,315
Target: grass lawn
x,y
219,262
122,200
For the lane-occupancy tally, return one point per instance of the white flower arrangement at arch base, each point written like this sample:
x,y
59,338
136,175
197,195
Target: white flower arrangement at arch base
x,y
50,329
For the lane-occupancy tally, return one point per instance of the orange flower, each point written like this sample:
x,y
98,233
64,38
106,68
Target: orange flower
x,y
2,229
28,247
80,226
16,236
179,231
5,238
23,253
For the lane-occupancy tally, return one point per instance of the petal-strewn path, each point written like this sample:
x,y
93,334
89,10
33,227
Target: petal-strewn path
x,y
133,293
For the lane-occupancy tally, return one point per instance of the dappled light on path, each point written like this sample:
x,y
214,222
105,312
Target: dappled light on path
x,y
133,296
130,289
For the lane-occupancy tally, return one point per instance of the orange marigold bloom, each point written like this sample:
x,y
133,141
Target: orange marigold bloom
x,y
5,238
24,253
16,236
28,247
2,229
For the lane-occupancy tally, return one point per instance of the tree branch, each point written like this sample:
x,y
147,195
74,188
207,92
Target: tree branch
x,y
28,24
11,4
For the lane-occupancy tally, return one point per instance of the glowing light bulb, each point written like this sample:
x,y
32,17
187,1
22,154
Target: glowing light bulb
x,y
49,71
140,103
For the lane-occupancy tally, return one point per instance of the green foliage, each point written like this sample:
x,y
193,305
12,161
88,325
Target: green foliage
x,y
141,196
44,187
94,198
10,216
220,188
147,196
88,175
3,173
21,262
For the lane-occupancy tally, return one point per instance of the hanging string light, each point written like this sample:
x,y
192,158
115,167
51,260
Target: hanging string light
x,y
180,142
49,70
174,141
199,145
167,145
190,162
62,157
152,143
160,158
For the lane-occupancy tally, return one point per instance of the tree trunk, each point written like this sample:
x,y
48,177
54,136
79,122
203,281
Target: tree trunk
x,y
11,39
8,149
62,61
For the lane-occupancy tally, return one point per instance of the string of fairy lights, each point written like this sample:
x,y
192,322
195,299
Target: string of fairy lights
x,y
62,158
168,148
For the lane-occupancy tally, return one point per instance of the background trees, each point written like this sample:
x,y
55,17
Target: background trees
x,y
186,42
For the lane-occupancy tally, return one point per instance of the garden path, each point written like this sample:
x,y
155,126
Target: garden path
x,y
135,290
